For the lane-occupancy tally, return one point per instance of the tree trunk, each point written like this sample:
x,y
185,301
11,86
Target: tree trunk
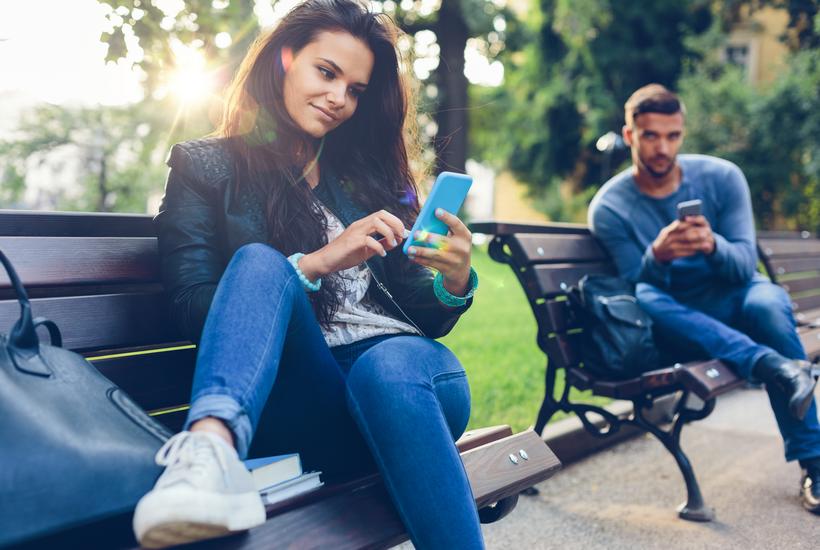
x,y
451,116
102,185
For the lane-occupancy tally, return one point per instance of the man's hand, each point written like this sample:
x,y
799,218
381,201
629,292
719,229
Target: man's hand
x,y
685,238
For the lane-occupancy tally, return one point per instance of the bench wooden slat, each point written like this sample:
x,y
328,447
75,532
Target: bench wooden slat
x,y
153,380
63,261
173,419
706,379
551,277
710,379
534,248
107,321
357,513
494,475
811,341
74,224
503,229
795,265
562,349
472,439
806,302
808,317
776,248
782,234
357,518
800,285
559,316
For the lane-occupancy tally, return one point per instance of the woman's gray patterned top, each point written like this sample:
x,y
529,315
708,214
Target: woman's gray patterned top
x,y
358,316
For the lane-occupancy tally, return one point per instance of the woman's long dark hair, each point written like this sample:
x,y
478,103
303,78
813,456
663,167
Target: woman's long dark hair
x,y
370,152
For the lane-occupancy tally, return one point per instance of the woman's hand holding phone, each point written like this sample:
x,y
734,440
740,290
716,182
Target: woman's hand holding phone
x,y
450,254
355,245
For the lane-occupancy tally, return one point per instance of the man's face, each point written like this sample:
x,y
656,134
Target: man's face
x,y
655,139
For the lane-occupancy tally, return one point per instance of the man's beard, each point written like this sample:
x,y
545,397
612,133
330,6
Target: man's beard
x,y
654,173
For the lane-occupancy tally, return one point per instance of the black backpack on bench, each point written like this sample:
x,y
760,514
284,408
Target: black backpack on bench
x,y
617,337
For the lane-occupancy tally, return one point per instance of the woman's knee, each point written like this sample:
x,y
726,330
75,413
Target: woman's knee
x,y
259,258
258,254
405,373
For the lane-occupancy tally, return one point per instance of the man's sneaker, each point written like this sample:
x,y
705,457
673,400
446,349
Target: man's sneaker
x,y
204,492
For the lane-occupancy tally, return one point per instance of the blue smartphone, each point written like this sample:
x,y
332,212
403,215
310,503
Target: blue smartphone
x,y
449,192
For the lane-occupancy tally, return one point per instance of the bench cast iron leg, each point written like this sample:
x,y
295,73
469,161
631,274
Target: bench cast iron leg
x,y
548,408
694,509
490,514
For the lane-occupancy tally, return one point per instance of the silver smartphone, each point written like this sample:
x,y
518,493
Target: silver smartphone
x,y
689,208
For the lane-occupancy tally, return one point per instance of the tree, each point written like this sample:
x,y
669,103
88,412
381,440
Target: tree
x,y
112,148
139,24
454,24
568,87
772,134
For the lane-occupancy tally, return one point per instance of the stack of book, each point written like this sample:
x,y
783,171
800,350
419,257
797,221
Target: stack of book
x,y
281,477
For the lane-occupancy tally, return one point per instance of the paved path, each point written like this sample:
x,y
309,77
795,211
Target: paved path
x,y
625,497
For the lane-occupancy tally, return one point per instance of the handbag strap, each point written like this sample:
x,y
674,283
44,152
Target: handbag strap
x,y
23,343
22,334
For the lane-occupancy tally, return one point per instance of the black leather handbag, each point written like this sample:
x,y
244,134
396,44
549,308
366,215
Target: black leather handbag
x,y
73,447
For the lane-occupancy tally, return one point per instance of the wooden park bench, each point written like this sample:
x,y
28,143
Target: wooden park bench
x,y
547,258
792,259
97,277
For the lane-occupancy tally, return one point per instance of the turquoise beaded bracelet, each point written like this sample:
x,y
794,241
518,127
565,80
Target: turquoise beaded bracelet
x,y
452,300
310,287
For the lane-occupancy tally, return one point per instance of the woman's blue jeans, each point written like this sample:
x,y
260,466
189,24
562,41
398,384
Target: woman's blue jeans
x,y
396,403
737,324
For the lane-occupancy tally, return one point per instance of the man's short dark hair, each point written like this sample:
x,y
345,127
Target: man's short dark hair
x,y
652,98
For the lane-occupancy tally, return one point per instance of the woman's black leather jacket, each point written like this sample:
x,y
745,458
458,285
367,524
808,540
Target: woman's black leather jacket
x,y
202,221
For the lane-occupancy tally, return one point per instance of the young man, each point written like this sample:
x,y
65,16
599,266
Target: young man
x,y
697,277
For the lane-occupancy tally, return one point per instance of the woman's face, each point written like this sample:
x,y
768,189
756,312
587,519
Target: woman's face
x,y
324,80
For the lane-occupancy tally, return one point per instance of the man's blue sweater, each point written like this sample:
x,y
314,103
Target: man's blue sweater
x,y
627,221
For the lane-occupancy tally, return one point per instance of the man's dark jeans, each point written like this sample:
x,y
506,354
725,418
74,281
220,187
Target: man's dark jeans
x,y
737,324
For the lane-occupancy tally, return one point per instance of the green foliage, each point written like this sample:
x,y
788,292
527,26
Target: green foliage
x,y
568,86
495,341
772,134
112,146
144,34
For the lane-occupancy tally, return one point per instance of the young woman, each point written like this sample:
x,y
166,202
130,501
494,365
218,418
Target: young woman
x,y
281,252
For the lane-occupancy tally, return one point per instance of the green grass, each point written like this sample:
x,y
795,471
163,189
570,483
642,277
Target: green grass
x,y
495,341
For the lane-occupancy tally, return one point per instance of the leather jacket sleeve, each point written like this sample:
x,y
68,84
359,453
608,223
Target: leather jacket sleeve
x,y
412,287
190,256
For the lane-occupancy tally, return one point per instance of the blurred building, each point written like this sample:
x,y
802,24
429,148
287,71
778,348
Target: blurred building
x,y
755,44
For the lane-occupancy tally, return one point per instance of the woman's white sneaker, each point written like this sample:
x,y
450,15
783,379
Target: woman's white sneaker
x,y
204,492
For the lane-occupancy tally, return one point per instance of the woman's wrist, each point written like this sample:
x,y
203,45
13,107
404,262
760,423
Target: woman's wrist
x,y
311,266
457,286
311,285
449,299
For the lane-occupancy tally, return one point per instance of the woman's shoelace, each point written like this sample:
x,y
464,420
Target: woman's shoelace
x,y
191,450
